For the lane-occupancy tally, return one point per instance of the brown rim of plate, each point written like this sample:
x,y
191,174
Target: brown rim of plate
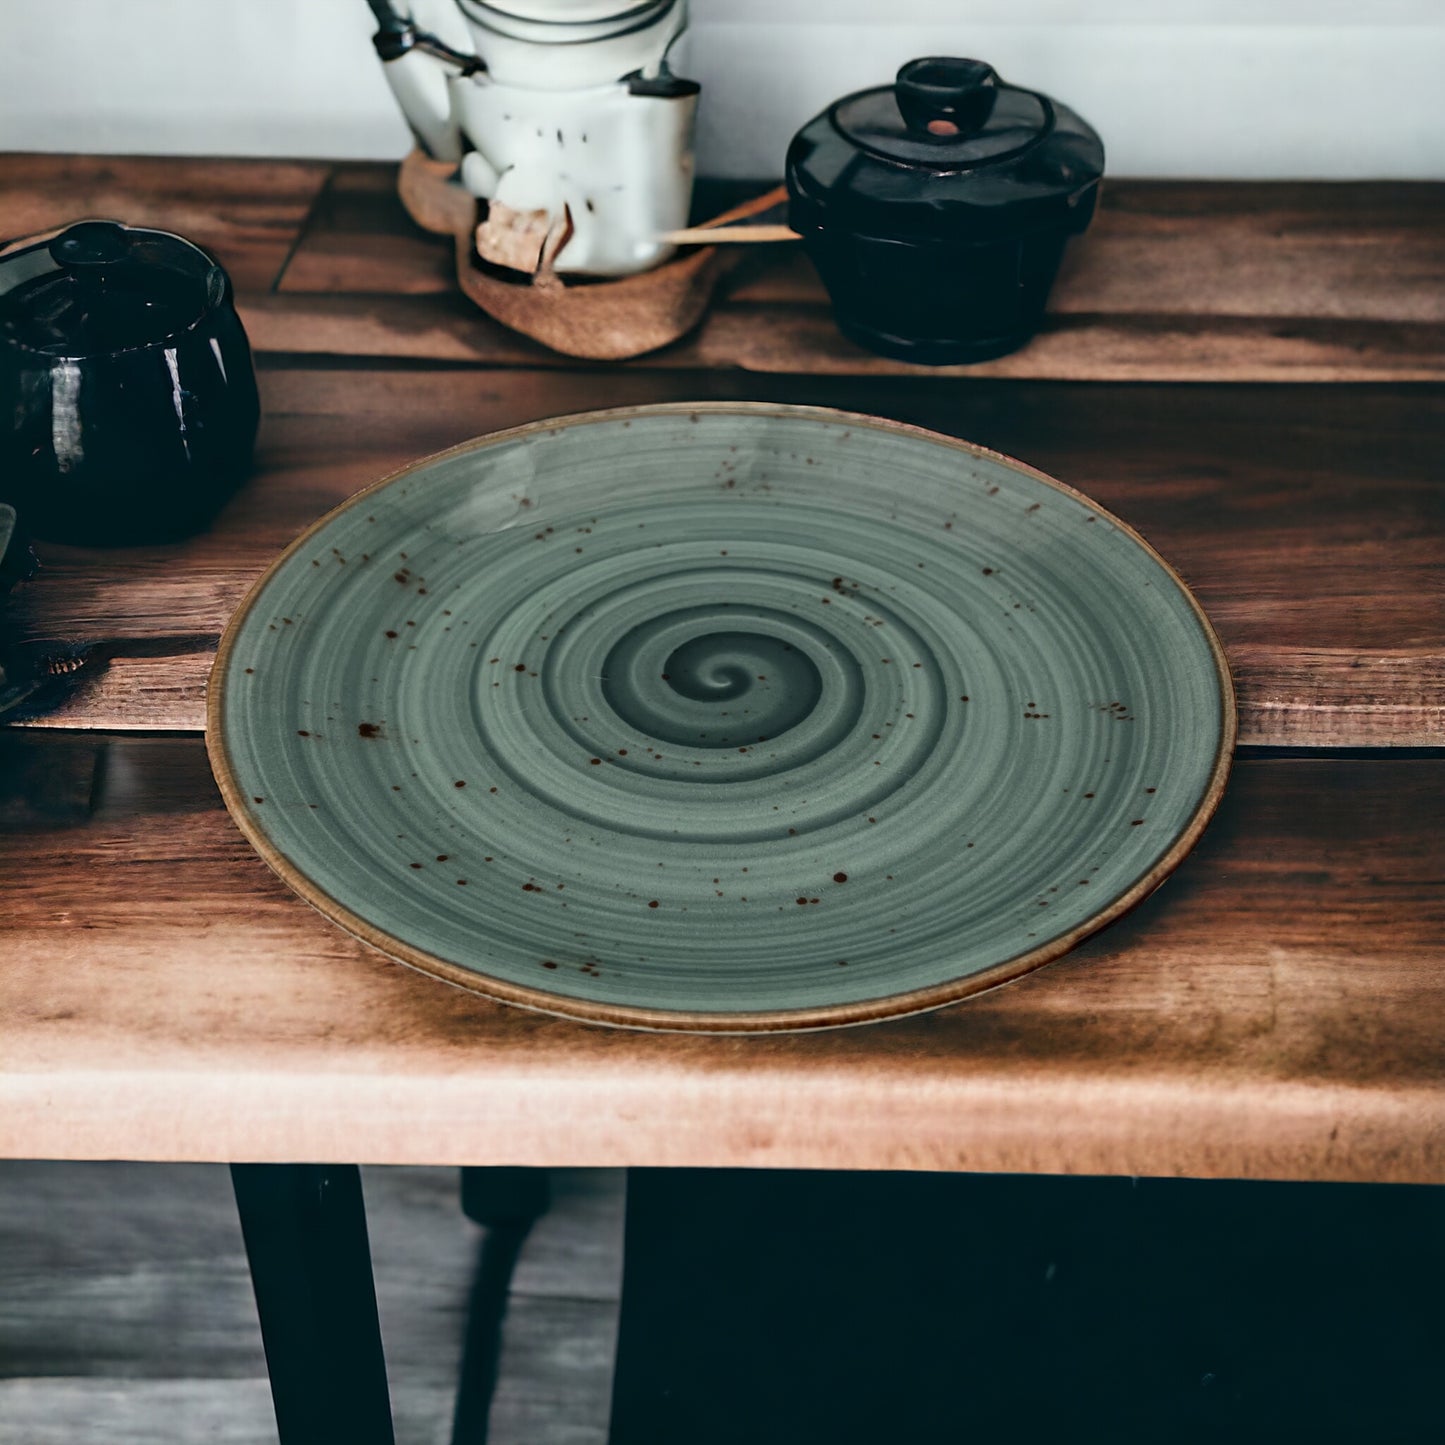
x,y
773,1021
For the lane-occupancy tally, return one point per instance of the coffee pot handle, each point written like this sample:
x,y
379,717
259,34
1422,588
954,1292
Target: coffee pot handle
x,y
418,65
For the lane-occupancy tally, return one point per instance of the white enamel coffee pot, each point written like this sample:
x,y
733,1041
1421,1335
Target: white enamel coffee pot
x,y
564,115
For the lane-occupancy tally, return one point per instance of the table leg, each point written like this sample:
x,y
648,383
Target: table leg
x,y
506,1201
305,1232
505,1195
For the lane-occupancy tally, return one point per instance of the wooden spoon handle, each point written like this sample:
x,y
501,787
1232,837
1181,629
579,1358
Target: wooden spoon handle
x,y
710,235
719,229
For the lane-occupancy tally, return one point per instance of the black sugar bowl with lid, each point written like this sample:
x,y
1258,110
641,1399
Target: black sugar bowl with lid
x,y
936,209
126,385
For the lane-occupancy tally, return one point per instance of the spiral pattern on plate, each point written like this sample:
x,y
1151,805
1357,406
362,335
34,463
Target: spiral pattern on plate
x,y
694,717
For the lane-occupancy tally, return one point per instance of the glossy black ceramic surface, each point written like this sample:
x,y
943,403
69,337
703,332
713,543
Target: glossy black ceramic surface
x,y
937,209
127,385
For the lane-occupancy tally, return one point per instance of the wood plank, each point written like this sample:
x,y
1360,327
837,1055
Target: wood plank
x,y
1310,521
803,339
41,787
56,1410
1275,1012
249,214
554,1389
1365,251
1170,347
360,241
124,1295
124,1270
1176,281
554,1341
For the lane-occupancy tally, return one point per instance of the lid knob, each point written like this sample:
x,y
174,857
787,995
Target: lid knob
x,y
943,97
90,244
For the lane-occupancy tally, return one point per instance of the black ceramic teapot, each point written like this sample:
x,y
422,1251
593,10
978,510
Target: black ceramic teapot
x,y
126,385
936,209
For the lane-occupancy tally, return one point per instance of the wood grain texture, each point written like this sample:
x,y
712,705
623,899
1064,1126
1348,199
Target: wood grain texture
x,y
1177,281
1365,251
360,240
1310,522
1275,1012
123,1270
765,338
124,1295
58,1410
1185,281
248,214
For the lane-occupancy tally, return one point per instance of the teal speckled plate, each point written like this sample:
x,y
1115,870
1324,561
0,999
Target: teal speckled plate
x,y
721,717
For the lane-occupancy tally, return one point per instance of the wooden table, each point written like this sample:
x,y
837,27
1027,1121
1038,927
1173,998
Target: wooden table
x,y
1250,374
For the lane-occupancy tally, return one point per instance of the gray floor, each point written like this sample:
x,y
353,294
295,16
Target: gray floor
x,y
126,1312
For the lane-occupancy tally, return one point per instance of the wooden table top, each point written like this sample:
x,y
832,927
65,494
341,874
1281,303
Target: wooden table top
x,y
1276,1011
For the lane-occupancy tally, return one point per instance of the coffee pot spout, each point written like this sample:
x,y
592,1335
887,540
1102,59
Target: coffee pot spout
x,y
418,65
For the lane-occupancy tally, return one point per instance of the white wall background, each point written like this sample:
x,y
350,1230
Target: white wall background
x,y
1250,88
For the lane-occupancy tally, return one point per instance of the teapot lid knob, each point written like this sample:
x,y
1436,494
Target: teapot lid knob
x,y
943,97
90,244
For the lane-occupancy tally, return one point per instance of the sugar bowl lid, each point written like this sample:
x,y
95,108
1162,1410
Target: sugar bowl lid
x,y
950,149
99,287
